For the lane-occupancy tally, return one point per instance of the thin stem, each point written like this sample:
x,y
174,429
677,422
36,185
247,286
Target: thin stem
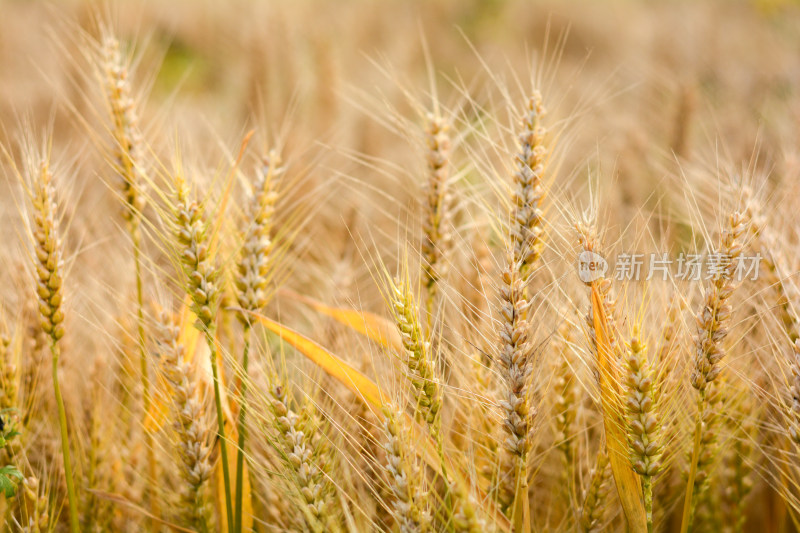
x,y
647,488
151,459
437,435
62,420
226,476
429,307
199,514
690,501
242,430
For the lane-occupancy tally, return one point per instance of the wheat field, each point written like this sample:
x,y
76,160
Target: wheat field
x,y
470,266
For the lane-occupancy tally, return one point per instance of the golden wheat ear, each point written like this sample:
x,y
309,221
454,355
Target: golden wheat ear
x,y
713,321
191,424
49,272
437,237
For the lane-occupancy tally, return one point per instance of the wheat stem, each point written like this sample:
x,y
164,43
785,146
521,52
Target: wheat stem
x,y
62,422
152,464
647,489
242,430
47,254
223,448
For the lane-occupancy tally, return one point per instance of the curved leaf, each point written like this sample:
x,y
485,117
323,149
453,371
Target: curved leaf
x,y
628,484
372,326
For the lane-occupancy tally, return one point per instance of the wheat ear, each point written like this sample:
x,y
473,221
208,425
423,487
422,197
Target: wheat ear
x,y
304,453
47,248
516,361
9,388
190,422
526,229
251,285
786,296
712,327
201,275
593,510
420,365
36,508
566,406
516,354
737,481
127,160
437,237
643,420
406,478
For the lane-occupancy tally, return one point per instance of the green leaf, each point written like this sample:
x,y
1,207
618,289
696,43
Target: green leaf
x,y
7,476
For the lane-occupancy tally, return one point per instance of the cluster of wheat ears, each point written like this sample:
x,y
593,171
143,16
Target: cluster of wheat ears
x,y
460,375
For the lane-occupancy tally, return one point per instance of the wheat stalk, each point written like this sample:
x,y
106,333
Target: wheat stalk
x,y
49,281
251,284
201,274
712,328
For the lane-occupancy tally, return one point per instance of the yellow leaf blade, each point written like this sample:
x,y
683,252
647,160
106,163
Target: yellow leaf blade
x,y
372,326
628,483
351,378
